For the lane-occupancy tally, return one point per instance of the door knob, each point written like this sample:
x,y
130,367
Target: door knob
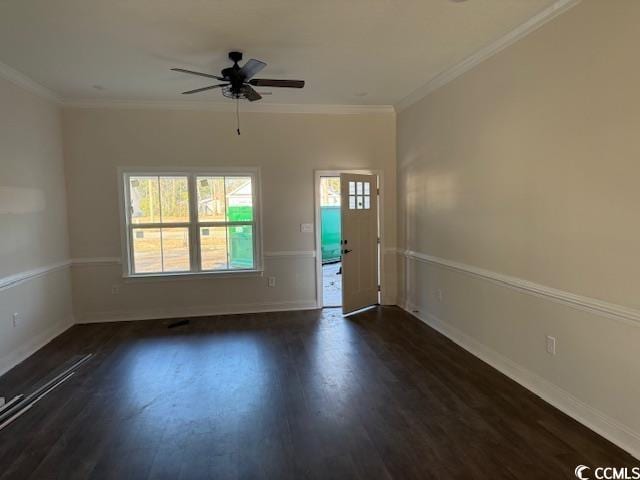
x,y
346,250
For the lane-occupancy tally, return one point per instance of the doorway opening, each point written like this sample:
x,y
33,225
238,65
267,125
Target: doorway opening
x,y
349,238
330,241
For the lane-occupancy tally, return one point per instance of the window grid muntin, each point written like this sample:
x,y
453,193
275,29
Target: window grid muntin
x,y
359,193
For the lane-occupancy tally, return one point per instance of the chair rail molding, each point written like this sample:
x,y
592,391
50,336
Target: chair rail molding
x,y
291,253
21,277
89,261
592,305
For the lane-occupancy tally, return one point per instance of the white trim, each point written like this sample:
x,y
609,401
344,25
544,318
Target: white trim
x,y
190,312
21,80
591,305
79,262
26,350
179,276
127,227
564,401
21,277
222,106
444,77
317,174
87,261
291,253
488,51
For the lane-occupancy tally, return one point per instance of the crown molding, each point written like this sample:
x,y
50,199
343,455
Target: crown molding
x,y
488,51
229,106
441,79
14,76
21,80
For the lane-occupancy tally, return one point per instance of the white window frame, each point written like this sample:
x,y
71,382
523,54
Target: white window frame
x,y
127,226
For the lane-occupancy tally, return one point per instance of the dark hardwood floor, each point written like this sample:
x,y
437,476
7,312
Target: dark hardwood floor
x,y
285,396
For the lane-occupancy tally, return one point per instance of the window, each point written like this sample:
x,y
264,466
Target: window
x,y
190,222
359,195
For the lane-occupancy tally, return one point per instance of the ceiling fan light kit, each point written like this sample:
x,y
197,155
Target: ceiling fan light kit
x,y
238,82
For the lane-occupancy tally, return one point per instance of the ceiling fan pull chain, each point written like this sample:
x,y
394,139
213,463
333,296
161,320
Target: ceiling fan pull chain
x,y
238,115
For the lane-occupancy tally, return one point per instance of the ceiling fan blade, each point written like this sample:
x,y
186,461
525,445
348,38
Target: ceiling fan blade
x,y
250,94
205,88
265,82
191,72
252,67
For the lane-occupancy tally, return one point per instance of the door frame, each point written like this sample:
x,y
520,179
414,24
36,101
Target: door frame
x,y
318,225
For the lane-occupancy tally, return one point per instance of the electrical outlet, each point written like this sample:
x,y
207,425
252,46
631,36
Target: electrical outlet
x,y
439,294
306,227
16,319
551,345
115,289
271,282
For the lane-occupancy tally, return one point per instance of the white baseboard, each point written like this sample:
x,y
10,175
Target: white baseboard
x,y
25,351
201,311
592,418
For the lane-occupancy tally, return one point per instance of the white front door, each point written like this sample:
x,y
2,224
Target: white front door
x,y
359,217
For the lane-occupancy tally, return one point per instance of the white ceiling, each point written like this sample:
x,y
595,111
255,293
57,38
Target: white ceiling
x,y
350,52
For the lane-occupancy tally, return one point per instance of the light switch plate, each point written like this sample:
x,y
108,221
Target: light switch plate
x,y
306,227
551,345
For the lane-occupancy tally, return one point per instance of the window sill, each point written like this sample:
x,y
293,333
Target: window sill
x,y
170,277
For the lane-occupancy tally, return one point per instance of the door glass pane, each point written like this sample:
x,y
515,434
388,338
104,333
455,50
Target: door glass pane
x,y
147,250
211,204
367,188
367,202
239,194
359,188
174,199
359,202
352,202
144,195
240,246
175,250
329,191
213,248
352,188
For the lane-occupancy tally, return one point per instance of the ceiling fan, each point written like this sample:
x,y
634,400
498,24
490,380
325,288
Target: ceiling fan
x,y
239,81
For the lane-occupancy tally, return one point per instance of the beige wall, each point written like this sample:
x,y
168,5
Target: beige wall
x,y
287,148
528,166
33,225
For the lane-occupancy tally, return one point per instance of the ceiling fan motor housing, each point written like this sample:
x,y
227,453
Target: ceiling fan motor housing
x,y
234,77
235,57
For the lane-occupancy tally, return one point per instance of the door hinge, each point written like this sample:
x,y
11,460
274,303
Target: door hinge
x,y
379,241
379,288
378,191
